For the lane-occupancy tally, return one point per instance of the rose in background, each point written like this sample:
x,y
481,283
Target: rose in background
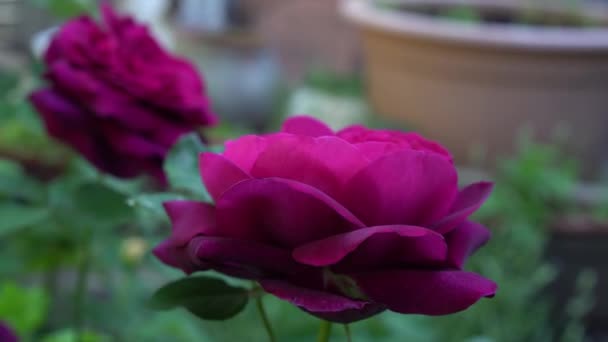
x,y
117,97
343,225
7,334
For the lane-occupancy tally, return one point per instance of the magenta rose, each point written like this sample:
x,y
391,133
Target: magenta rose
x,y
7,334
343,225
117,97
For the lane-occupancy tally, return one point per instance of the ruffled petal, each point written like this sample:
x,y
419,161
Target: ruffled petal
x,y
189,219
467,202
464,241
254,260
219,174
306,125
383,246
176,256
67,122
425,292
282,212
325,163
406,187
245,150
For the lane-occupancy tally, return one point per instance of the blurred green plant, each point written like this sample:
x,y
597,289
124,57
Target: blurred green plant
x,y
67,8
24,309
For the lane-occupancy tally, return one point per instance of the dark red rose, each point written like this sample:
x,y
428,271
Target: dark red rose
x,y
117,97
344,225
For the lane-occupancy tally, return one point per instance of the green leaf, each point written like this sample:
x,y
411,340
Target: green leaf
x,y
23,308
208,298
67,8
106,205
14,183
68,335
14,217
181,167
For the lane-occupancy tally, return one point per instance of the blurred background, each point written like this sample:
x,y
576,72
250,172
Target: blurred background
x,y
517,89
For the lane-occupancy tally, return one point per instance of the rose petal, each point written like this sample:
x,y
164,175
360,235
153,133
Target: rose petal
x,y
129,143
467,202
464,241
325,305
376,246
325,163
104,101
406,187
392,139
376,149
189,219
282,212
66,122
425,292
306,125
219,174
254,259
311,300
177,257
244,151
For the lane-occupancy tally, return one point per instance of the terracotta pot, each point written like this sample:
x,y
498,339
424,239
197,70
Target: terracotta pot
x,y
473,86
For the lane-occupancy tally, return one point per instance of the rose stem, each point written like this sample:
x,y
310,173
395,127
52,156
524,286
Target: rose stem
x,y
265,320
349,338
80,293
324,331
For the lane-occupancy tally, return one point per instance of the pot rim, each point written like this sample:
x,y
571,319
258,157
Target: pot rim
x,y
366,14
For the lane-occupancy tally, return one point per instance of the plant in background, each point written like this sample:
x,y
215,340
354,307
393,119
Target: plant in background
x,y
342,225
121,110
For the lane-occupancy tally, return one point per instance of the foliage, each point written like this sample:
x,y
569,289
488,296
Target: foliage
x,y
66,8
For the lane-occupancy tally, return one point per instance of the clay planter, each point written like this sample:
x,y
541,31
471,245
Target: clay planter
x,y
473,86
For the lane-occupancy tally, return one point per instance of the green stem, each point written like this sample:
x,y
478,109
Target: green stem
x,y
349,337
80,292
265,320
324,331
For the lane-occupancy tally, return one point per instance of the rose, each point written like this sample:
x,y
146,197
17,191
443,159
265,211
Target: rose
x,y
342,225
117,97
7,334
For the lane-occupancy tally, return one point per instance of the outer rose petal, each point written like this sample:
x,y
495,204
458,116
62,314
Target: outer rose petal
x,y
219,174
467,202
254,259
189,219
128,143
406,187
381,246
67,122
325,163
464,241
105,101
425,292
177,257
282,212
306,125
325,305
